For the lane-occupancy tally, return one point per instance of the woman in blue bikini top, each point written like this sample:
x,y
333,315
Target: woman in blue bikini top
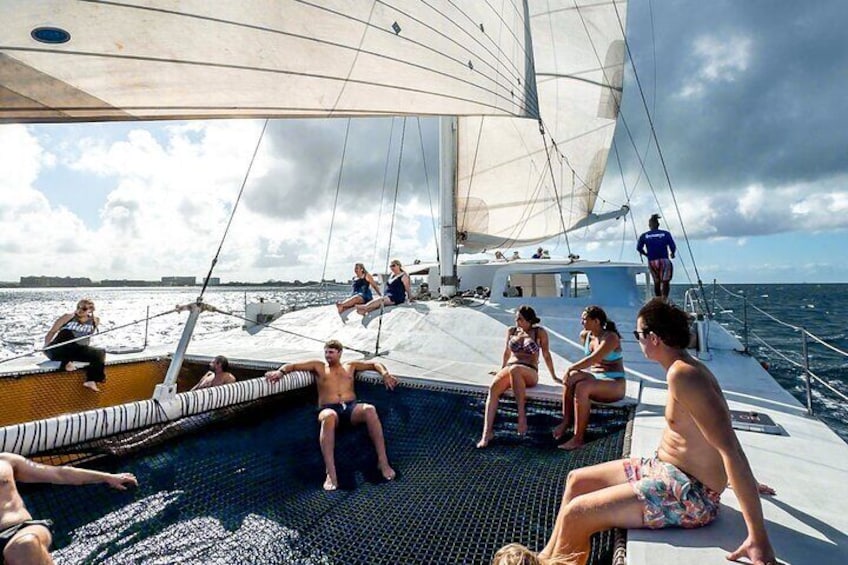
x,y
598,376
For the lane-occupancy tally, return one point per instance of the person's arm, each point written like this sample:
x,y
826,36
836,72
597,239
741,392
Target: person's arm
x,y
507,353
546,353
389,379
640,245
671,246
712,416
27,471
204,381
373,284
608,343
61,321
314,366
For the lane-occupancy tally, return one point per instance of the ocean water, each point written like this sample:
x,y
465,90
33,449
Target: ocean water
x,y
822,309
27,314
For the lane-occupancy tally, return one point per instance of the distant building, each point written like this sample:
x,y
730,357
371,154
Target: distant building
x,y
179,281
55,281
214,281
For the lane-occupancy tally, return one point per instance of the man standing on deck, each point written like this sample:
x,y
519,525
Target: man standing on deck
x,y
680,485
339,407
656,244
22,539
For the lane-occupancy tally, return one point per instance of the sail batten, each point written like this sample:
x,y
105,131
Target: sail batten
x,y
170,59
521,182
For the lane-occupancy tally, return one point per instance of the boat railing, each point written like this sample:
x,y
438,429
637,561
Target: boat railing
x,y
693,301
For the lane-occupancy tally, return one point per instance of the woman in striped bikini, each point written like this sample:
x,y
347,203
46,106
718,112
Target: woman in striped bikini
x,y
519,370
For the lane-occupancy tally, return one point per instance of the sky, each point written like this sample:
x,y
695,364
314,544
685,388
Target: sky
x,y
748,100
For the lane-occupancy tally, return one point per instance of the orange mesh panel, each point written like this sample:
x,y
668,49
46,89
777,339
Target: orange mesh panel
x,y
44,395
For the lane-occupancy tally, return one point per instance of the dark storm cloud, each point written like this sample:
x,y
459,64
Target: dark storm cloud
x,y
307,157
779,120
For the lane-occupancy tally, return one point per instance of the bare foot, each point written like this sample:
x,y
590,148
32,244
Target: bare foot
x,y
339,307
573,443
388,472
560,430
522,428
330,484
91,385
69,366
485,441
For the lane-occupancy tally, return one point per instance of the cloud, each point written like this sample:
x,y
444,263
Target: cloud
x,y
721,60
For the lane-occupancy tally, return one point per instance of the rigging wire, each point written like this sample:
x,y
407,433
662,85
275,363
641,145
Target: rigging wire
x,y
383,193
429,194
233,212
554,184
391,234
81,338
335,202
662,160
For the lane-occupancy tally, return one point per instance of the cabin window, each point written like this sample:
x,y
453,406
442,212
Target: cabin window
x,y
535,284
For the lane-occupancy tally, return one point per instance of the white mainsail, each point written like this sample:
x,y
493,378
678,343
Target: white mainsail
x,y
72,60
507,193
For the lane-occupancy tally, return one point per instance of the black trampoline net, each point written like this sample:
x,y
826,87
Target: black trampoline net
x,y
244,486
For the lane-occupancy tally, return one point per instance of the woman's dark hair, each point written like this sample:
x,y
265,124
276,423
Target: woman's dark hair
x,y
528,314
668,322
597,313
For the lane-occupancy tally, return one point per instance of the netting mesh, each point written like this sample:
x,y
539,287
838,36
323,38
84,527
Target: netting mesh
x,y
245,486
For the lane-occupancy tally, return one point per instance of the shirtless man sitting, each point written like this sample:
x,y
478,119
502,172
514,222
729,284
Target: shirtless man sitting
x,y
218,375
339,407
22,539
680,485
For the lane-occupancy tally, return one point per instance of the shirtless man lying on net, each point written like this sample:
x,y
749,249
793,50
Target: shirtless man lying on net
x,y
338,405
22,539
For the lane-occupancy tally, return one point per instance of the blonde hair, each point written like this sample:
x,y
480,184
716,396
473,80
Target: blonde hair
x,y
515,554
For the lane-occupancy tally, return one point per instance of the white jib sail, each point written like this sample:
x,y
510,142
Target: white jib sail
x,y
506,193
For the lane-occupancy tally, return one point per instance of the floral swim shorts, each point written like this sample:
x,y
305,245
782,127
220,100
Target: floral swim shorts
x,y
672,498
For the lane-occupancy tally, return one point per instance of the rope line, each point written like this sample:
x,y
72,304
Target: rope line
x,y
233,212
391,233
81,338
335,203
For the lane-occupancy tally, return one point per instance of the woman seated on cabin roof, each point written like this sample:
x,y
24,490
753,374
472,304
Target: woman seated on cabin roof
x,y
398,290
598,376
81,323
363,282
519,370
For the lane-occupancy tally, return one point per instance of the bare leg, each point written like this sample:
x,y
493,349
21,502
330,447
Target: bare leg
x,y
329,420
665,288
29,547
596,498
368,414
588,390
657,288
520,379
349,303
568,401
374,304
496,389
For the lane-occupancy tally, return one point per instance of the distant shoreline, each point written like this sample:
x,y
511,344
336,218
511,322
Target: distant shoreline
x,y
159,284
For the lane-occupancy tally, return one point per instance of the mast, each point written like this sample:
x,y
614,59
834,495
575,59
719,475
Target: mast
x,y
447,209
